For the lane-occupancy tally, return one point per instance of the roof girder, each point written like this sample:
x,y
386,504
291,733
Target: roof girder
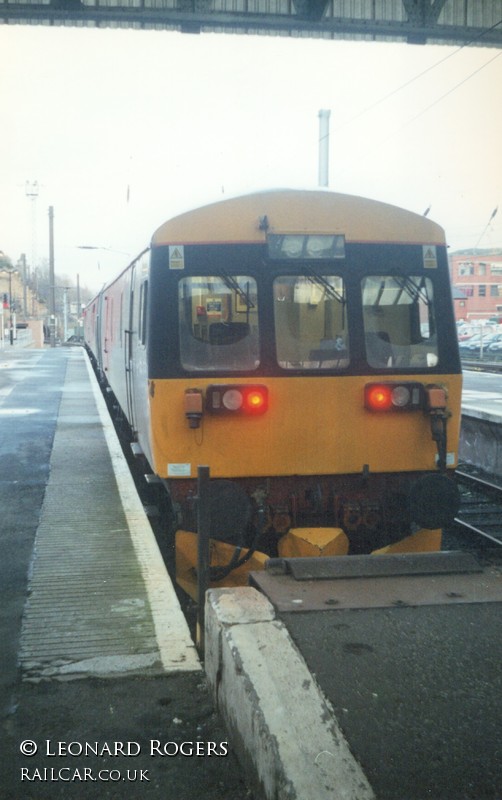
x,y
414,21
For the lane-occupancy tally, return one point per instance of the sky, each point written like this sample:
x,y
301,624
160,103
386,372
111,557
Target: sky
x,y
121,130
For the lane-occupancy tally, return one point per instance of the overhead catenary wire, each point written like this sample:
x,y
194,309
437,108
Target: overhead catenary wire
x,y
450,91
415,78
432,104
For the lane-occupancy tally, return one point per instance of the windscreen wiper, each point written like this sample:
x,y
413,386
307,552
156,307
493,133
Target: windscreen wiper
x,y
413,291
232,284
320,280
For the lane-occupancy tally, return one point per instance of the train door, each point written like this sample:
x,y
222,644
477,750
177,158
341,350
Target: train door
x,y
130,334
97,333
108,331
136,355
139,371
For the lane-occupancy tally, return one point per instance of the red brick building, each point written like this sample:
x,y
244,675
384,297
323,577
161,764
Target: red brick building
x,y
477,277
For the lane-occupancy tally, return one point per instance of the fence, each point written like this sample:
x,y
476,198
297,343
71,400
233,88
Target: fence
x,y
19,338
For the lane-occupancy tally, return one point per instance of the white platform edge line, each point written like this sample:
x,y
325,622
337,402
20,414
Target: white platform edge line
x,y
177,650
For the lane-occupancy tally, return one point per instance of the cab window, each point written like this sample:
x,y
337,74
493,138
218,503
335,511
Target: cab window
x,y
399,322
218,323
310,322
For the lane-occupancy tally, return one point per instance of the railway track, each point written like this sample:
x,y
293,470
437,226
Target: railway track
x,y
480,513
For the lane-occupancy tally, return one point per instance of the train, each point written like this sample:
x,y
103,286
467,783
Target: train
x,y
302,345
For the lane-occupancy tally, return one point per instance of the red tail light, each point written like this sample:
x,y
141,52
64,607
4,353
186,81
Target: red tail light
x,y
389,396
237,399
378,398
255,400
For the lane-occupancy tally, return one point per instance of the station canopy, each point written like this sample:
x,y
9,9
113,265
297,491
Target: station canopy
x,y
452,22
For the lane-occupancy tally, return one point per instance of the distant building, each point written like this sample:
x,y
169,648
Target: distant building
x,y
476,277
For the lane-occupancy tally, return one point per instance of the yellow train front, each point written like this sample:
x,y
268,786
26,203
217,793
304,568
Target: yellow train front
x,y
302,345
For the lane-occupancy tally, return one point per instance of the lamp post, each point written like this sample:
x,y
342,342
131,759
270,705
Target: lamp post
x,y
31,190
324,115
21,264
65,289
52,296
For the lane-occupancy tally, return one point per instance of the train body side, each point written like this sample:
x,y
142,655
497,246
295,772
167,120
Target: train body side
x,y
115,336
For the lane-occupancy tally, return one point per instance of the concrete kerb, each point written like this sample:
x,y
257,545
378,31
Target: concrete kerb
x,y
481,439
283,728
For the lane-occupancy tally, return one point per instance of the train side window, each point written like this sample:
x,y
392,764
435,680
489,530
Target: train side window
x,y
399,321
310,322
218,323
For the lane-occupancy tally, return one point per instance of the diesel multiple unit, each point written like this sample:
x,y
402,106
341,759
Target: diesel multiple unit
x,y
302,345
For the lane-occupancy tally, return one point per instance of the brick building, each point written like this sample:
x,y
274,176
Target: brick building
x,y
476,277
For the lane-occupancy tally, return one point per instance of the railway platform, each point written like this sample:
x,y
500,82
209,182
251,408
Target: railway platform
x,y
102,691
99,598
409,660
481,430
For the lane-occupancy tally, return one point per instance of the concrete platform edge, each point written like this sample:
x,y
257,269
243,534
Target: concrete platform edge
x,y
478,413
176,647
481,440
283,728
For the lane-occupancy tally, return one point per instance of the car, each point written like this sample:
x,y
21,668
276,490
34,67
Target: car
x,y
496,346
474,344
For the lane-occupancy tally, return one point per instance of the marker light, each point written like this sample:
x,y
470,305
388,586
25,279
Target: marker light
x,y
378,398
232,399
237,399
394,396
400,396
255,400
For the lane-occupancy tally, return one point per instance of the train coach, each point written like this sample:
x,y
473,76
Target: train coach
x,y
302,345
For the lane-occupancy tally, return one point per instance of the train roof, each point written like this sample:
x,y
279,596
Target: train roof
x,y
248,219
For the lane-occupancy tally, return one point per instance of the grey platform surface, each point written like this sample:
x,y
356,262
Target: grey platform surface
x,y
107,615
482,396
416,688
100,600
